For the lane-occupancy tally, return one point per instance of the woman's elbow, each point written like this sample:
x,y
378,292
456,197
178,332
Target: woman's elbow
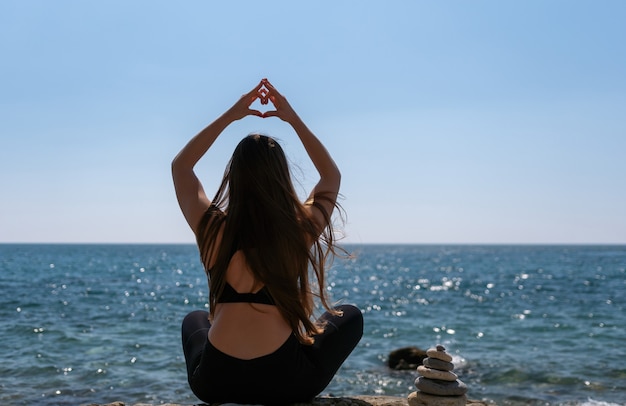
x,y
174,166
337,176
179,169
177,163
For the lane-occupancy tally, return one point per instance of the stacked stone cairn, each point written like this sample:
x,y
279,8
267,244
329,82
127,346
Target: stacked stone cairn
x,y
437,385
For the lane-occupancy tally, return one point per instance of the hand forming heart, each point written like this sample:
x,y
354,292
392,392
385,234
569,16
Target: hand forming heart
x,y
265,92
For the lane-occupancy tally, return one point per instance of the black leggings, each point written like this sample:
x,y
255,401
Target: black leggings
x,y
293,373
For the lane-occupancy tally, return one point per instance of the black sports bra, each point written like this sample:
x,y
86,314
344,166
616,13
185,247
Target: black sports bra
x,y
230,295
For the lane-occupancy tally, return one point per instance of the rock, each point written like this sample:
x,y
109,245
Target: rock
x,y
435,363
381,400
118,403
406,358
441,355
424,399
440,388
436,374
437,385
352,401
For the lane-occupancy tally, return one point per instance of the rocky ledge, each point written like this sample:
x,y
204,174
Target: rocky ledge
x,y
360,400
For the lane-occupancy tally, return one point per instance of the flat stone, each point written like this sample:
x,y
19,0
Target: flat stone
x,y
373,400
441,388
442,355
436,374
424,399
435,363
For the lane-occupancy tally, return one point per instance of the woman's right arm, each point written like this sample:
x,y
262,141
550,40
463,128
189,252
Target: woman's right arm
x,y
324,193
192,199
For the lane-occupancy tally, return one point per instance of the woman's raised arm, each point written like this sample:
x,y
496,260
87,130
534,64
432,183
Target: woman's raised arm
x,y
324,193
189,191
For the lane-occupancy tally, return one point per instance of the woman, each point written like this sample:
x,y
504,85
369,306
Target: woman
x,y
258,243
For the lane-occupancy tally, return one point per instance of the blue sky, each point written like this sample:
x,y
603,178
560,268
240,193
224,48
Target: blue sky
x,y
452,121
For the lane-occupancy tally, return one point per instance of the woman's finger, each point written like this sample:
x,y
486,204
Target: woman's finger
x,y
258,87
254,93
268,84
272,89
274,95
253,112
270,113
252,98
275,101
263,93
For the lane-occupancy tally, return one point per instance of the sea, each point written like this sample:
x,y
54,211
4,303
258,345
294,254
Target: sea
x,y
526,324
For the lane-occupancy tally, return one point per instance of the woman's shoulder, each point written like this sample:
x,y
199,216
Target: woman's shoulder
x,y
211,215
209,235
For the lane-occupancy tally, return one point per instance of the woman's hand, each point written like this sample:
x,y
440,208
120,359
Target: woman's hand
x,y
284,111
242,108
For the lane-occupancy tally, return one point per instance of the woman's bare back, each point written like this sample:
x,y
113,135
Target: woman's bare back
x,y
246,330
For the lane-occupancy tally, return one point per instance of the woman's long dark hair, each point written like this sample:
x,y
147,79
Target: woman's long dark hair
x,y
260,214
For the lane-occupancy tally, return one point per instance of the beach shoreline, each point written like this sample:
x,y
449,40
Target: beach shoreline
x,y
357,400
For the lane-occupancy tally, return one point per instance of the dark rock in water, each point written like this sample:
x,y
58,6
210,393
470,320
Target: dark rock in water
x,y
406,358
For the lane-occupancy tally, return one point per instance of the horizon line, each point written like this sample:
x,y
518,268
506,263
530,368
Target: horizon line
x,y
347,243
